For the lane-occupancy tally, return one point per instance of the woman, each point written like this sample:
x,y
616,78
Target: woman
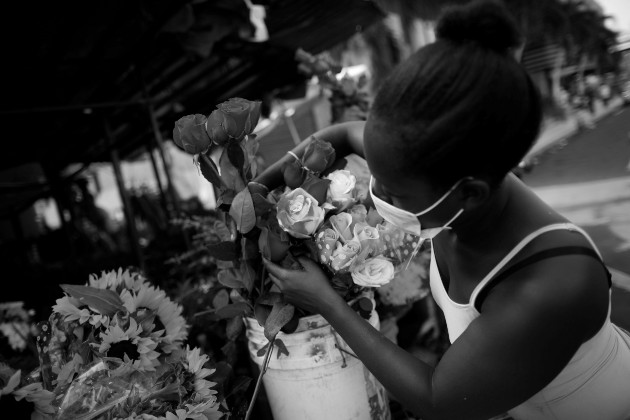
x,y
525,293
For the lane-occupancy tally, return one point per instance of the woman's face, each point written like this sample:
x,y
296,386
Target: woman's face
x,y
413,194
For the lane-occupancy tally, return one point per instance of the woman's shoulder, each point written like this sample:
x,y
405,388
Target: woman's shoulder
x,y
566,286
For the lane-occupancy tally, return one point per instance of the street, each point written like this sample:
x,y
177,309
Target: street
x,y
585,178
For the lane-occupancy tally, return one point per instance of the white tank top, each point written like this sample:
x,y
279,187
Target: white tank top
x,y
595,384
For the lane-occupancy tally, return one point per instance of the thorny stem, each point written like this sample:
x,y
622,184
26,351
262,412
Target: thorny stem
x,y
263,369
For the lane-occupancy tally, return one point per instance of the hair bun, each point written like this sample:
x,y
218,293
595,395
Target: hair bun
x,y
485,22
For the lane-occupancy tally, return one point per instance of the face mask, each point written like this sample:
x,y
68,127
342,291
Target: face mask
x,y
408,221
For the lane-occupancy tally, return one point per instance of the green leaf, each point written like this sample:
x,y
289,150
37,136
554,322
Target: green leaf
x,y
282,348
270,298
248,276
236,154
232,310
221,299
281,314
229,279
236,297
233,328
209,170
224,251
230,174
226,196
262,206
106,302
242,211
261,351
261,312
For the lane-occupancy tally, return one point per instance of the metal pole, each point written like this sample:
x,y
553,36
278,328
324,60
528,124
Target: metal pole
x,y
157,135
132,231
156,172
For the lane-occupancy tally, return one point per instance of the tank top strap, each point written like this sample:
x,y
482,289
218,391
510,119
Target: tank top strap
x,y
520,246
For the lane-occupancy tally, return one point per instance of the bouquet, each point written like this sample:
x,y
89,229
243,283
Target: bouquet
x,y
323,212
114,348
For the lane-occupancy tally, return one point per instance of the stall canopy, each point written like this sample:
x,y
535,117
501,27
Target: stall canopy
x,y
73,67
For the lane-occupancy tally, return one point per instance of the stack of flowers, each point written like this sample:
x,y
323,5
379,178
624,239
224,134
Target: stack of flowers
x,y
114,349
323,212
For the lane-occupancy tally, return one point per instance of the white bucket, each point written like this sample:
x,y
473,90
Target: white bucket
x,y
317,381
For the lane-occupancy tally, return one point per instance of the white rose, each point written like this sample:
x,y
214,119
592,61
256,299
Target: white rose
x,y
344,255
374,272
299,214
341,189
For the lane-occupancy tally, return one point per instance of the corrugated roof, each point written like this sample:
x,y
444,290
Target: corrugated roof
x,y
67,56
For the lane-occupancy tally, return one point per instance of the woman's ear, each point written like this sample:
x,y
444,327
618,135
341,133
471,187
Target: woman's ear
x,y
474,193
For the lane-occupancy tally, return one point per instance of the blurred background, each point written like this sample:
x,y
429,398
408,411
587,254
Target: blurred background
x,y
90,179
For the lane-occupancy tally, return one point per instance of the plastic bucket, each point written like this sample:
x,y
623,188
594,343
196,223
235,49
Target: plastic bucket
x,y
317,380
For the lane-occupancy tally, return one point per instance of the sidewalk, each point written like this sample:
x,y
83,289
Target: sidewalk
x,y
555,131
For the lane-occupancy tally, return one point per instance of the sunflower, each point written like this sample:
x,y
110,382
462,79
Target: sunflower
x,y
128,345
194,364
170,328
117,280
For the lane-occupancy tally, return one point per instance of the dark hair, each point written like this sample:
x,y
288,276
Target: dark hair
x,y
462,105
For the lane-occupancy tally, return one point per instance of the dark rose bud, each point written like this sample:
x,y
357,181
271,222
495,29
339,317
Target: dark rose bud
x,y
240,116
190,134
318,156
257,188
215,129
316,187
293,173
273,243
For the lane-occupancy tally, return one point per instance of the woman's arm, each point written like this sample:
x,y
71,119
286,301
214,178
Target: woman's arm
x,y
532,324
346,138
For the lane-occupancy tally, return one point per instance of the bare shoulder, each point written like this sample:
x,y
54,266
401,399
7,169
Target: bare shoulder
x,y
571,290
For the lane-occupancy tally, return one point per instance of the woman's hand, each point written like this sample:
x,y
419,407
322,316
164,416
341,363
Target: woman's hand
x,y
308,288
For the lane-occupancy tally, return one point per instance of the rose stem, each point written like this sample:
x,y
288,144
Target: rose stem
x,y
260,375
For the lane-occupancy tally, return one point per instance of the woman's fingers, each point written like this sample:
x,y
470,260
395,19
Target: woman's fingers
x,y
307,263
276,281
275,269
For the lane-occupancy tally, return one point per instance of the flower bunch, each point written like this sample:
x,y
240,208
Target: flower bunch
x,y
331,217
114,348
324,205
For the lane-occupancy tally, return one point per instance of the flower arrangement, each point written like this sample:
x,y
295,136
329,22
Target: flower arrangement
x,y
323,212
114,348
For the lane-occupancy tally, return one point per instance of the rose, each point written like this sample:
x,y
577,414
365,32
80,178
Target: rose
x,y
341,188
344,255
318,188
369,238
374,272
364,232
293,174
234,118
257,188
326,241
359,213
299,213
190,134
341,224
273,242
318,155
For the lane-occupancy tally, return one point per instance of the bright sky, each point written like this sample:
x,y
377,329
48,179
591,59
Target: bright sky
x,y
620,10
